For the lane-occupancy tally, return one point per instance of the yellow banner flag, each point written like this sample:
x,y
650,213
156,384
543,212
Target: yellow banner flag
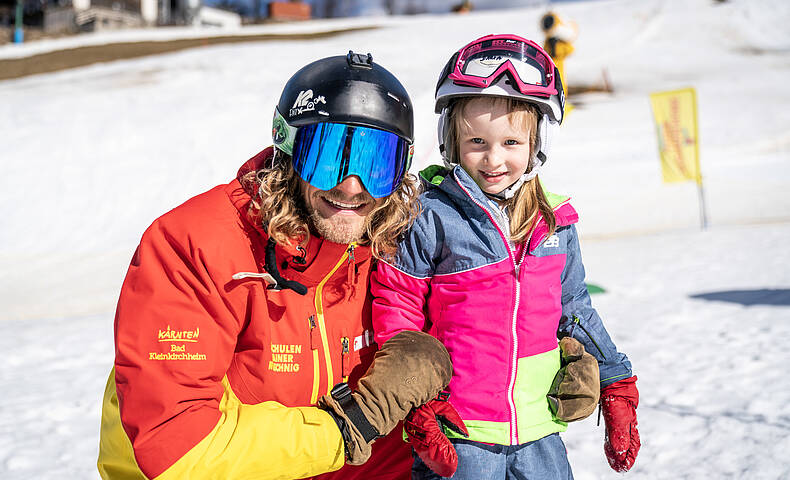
x,y
675,113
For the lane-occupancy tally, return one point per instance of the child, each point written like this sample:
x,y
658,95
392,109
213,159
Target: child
x,y
492,268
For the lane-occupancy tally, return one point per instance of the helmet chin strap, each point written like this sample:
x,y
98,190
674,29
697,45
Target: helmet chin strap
x,y
510,191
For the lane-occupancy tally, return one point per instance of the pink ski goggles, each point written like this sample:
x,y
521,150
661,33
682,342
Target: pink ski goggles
x,y
484,61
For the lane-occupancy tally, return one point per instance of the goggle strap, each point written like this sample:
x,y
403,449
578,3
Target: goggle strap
x,y
448,69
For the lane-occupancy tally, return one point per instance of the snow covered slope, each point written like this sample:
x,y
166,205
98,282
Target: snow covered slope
x,y
91,156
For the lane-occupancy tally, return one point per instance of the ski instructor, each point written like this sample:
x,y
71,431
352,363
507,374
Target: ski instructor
x,y
243,342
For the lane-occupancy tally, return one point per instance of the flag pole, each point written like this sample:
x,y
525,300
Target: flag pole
x,y
702,210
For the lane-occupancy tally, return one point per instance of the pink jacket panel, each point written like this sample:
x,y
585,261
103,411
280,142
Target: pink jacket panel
x,y
540,305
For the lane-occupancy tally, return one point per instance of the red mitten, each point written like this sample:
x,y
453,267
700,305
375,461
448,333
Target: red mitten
x,y
423,426
618,404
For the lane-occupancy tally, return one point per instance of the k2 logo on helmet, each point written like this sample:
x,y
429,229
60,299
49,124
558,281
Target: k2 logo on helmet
x,y
305,102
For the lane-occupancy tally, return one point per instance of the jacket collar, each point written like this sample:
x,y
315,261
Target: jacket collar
x,y
460,186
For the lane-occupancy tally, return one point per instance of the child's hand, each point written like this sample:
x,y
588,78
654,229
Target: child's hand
x,y
423,426
618,403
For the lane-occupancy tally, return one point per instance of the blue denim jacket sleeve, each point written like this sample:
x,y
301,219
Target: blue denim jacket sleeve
x,y
582,322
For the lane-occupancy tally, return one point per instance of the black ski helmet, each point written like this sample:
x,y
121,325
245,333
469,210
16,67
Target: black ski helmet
x,y
348,89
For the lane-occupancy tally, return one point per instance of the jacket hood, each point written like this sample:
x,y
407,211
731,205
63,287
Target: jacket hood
x,y
433,174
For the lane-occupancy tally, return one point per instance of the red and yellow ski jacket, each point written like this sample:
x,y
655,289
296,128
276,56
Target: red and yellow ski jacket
x,y
217,377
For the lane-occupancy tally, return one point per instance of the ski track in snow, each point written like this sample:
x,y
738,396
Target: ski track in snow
x,y
92,155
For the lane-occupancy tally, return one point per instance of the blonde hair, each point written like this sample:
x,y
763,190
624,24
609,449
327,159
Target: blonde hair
x,y
530,200
278,205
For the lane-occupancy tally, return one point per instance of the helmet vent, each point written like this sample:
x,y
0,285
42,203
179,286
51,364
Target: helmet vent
x,y
358,60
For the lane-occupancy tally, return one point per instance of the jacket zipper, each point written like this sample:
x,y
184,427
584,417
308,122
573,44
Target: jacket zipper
x,y
514,371
514,318
344,342
346,360
578,322
514,332
315,341
350,271
351,248
319,313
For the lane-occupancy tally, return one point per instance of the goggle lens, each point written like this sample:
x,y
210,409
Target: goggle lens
x,y
324,154
482,62
485,64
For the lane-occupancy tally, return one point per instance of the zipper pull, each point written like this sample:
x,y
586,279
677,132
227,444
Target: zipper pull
x,y
345,357
351,266
315,335
578,322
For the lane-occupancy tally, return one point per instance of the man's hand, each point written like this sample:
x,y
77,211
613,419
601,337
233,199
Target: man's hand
x,y
424,425
618,404
576,388
410,369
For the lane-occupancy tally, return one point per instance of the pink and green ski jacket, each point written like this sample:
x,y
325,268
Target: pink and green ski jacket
x,y
497,307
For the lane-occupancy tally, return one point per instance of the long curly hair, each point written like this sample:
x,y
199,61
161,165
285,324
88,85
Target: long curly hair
x,y
278,205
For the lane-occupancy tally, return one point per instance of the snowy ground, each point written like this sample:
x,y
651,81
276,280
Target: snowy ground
x,y
91,156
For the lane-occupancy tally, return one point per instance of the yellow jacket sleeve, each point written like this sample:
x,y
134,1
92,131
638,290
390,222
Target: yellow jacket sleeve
x,y
263,441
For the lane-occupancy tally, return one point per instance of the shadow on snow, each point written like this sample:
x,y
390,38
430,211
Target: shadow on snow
x,y
763,296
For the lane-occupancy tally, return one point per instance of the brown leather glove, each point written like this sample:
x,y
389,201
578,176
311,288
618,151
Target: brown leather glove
x,y
577,386
410,369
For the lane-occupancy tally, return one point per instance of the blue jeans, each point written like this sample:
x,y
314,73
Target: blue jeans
x,y
544,459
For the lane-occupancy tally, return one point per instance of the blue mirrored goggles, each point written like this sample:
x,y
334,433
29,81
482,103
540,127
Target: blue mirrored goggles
x,y
324,154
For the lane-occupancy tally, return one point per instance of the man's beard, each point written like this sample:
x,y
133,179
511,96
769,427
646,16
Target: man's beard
x,y
336,229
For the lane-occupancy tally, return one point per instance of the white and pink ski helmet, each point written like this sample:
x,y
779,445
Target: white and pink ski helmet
x,y
504,66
